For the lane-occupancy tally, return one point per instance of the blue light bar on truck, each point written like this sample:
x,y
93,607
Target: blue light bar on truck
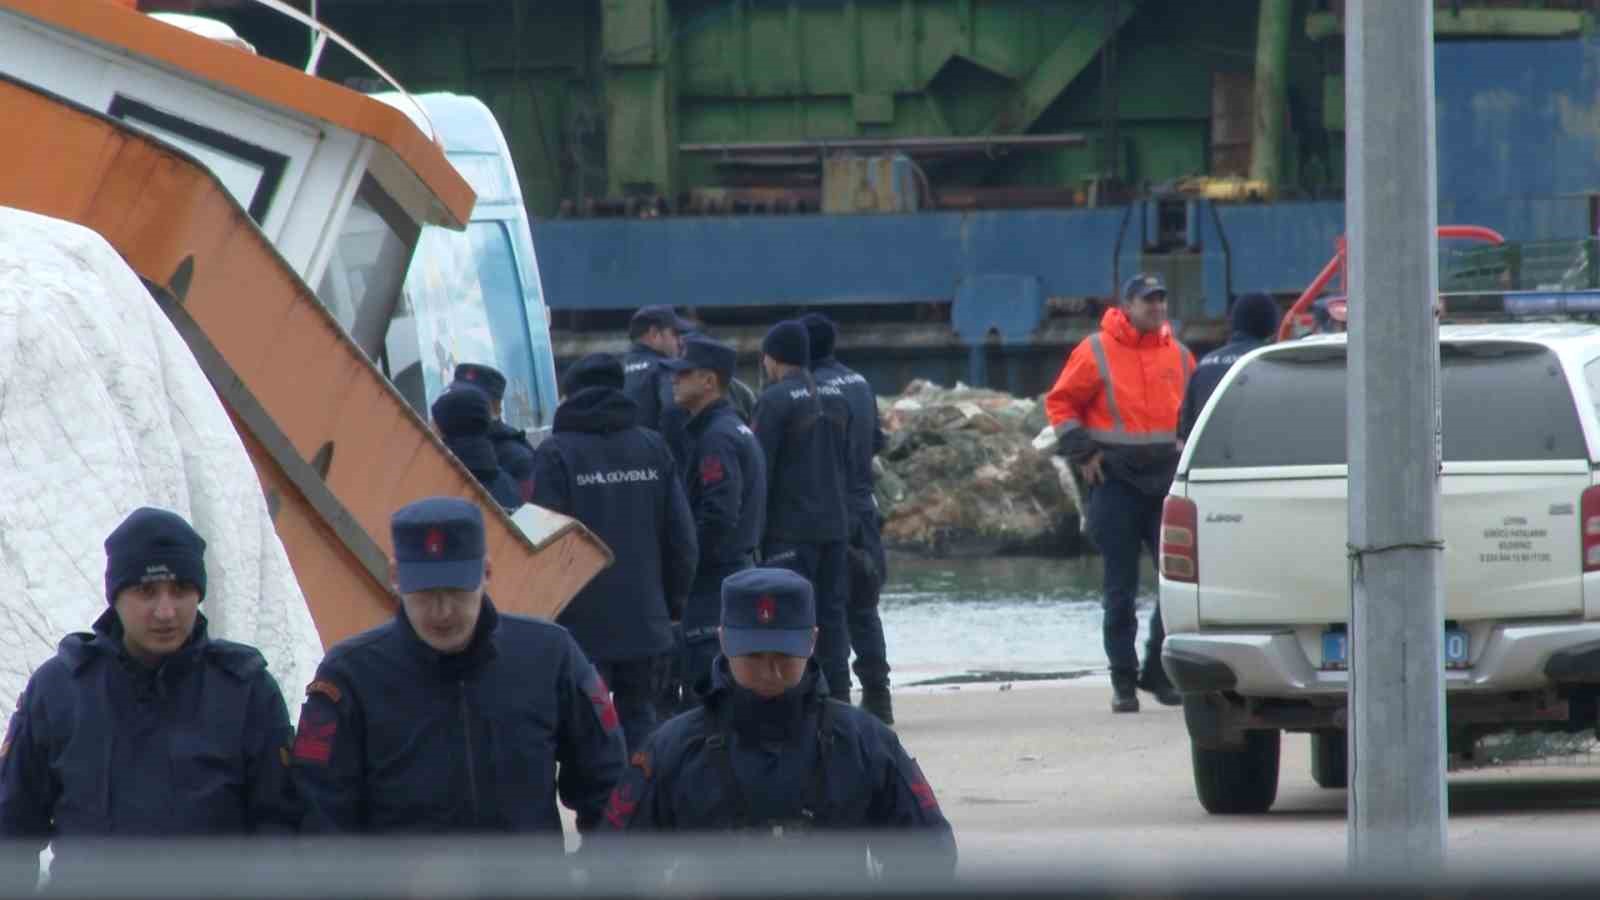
x,y
1530,304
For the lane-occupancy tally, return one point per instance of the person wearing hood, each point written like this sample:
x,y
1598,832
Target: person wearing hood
x,y
768,752
1254,320
1114,409
620,480
145,726
462,417
511,447
452,717
868,565
804,432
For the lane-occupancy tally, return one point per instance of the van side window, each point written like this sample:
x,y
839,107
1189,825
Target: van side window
x,y
1501,402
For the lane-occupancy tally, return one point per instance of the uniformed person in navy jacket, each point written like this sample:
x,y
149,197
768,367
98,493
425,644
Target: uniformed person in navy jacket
x,y
868,565
726,474
622,483
804,434
453,717
511,445
146,726
769,753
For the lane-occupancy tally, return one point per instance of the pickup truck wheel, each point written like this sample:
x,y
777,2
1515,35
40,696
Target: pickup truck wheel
x,y
1330,759
1238,781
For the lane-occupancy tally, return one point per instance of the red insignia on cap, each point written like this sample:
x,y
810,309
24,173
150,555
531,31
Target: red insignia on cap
x,y
433,542
766,609
470,375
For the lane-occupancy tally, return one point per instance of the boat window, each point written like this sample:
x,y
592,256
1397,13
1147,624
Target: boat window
x,y
361,286
1501,402
465,302
250,173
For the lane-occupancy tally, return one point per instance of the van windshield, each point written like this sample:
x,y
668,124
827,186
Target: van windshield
x,y
1501,402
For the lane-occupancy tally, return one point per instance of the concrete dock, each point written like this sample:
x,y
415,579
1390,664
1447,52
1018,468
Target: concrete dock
x,y
1043,773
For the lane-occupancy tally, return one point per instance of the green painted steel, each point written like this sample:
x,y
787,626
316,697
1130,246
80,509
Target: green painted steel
x,y
596,95
1272,60
1482,23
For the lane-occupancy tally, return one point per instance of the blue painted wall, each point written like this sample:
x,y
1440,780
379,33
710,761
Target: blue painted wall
x,y
1518,136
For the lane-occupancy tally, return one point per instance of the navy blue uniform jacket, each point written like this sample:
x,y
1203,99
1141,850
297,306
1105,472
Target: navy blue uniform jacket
x,y
515,455
866,432
804,433
397,737
1207,375
621,482
727,476
648,384
676,783
101,746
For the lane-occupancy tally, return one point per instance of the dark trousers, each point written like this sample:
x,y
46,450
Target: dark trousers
x,y
635,688
868,572
825,567
1123,519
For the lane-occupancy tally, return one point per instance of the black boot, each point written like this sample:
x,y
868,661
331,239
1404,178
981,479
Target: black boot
x,y
876,700
1124,699
1154,679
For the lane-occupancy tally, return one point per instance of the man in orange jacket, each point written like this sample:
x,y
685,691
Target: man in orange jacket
x,y
1115,413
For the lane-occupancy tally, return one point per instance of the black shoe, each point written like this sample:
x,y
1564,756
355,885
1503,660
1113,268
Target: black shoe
x,y
877,701
1161,689
1124,699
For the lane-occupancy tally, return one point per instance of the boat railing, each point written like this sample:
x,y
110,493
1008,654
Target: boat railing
x,y
322,34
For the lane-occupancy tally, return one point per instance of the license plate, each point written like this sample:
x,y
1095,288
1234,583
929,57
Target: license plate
x,y
1336,649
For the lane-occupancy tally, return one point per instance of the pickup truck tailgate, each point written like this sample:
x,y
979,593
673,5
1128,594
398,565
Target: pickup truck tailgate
x,y
1267,473
1276,553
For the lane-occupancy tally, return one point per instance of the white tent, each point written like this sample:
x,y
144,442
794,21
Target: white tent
x,y
103,410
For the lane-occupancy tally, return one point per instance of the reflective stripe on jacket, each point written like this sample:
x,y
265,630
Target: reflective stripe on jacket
x,y
1121,391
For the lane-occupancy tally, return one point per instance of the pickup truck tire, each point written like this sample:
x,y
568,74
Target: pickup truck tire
x,y
1330,759
1241,780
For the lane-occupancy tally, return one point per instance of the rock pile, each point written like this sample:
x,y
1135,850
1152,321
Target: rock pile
x,y
961,476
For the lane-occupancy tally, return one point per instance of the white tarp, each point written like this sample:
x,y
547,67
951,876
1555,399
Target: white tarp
x,y
103,410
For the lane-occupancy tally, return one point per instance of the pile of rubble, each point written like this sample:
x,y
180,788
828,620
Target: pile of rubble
x,y
962,476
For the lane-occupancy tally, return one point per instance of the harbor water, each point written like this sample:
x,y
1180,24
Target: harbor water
x,y
998,618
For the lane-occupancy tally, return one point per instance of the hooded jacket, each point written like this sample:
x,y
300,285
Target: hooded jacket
x,y
102,746
621,482
1119,394
1253,319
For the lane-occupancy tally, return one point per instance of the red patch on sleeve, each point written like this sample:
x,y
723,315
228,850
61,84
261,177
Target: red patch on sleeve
x,y
621,806
711,470
313,739
922,790
600,697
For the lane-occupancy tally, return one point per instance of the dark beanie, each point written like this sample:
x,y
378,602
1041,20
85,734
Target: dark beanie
x,y
154,545
462,412
1255,315
822,333
788,343
593,370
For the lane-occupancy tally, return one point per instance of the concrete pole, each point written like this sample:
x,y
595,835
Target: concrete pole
x,y
1272,76
1397,786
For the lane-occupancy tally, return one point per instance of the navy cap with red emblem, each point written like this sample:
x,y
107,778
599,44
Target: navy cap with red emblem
x,y
767,611
438,544
485,378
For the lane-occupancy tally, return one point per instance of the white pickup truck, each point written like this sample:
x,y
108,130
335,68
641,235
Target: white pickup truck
x,y
1255,586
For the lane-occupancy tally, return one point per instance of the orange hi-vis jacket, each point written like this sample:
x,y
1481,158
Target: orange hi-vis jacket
x,y
1123,389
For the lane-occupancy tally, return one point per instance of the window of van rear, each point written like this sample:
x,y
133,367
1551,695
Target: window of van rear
x,y
1501,402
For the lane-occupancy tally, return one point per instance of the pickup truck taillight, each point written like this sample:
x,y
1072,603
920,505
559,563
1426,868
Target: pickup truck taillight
x,y
1180,548
1589,506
